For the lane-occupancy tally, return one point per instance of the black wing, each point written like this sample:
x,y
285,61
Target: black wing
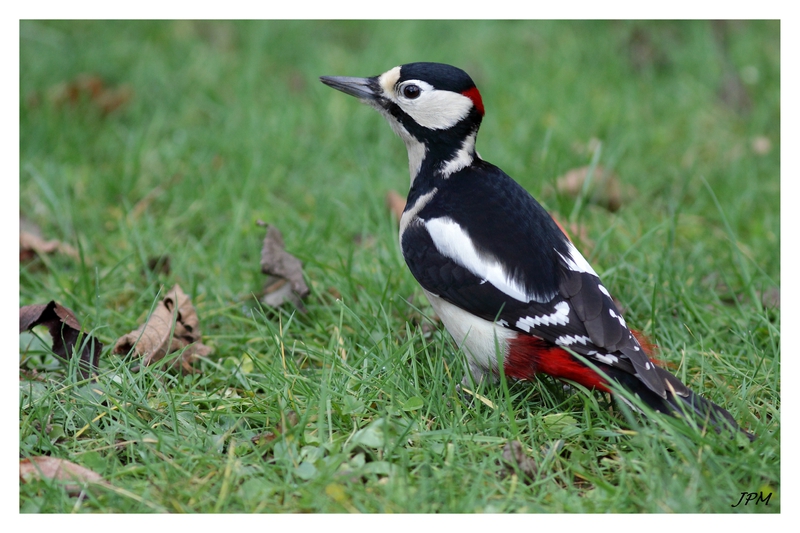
x,y
512,247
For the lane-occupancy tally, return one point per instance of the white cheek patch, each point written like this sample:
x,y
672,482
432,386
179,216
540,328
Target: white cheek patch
x,y
576,262
436,110
453,242
559,318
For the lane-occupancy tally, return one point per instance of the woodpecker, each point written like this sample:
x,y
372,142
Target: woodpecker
x,y
504,279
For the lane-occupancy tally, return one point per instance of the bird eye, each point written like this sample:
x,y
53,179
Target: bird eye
x,y
411,91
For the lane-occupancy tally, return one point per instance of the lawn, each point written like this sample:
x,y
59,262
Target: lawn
x,y
147,140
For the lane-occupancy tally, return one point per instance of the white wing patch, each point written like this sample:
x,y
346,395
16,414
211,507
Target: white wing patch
x,y
576,262
452,241
607,358
567,340
618,317
558,318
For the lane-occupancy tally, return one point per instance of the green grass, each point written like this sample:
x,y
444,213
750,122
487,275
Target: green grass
x,y
228,124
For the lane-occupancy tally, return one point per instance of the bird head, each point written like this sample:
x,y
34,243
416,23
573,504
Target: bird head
x,y
433,107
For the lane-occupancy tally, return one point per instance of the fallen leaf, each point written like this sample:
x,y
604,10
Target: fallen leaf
x,y
284,273
44,467
93,88
31,243
112,99
516,460
70,92
604,190
263,438
159,264
65,331
173,326
396,203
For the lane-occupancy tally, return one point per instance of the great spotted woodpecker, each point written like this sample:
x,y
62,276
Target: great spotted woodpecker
x,y
500,273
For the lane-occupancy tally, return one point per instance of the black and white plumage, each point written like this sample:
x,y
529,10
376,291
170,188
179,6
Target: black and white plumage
x,y
495,266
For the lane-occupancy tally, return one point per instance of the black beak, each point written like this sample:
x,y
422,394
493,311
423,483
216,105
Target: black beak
x,y
361,88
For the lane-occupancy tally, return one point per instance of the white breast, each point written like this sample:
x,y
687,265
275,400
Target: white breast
x,y
481,340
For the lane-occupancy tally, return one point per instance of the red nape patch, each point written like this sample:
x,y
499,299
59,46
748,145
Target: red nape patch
x,y
529,355
474,95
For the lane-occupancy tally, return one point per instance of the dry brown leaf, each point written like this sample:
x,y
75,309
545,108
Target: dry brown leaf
x,y
159,264
604,190
92,88
516,459
65,331
70,92
173,326
396,203
44,467
112,99
31,243
284,272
